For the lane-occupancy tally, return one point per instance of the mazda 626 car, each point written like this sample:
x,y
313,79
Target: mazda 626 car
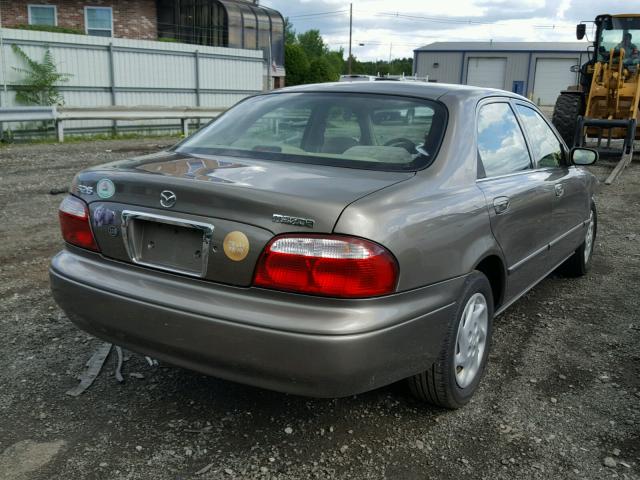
x,y
330,239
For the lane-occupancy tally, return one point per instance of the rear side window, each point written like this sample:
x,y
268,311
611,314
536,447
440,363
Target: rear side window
x,y
546,147
501,144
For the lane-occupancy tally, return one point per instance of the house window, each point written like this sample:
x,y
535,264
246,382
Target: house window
x,y
43,15
98,21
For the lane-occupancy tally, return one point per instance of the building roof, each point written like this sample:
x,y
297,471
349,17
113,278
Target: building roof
x,y
505,47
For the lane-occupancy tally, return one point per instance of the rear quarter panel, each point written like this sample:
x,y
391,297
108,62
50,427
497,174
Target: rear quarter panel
x,y
436,224
435,236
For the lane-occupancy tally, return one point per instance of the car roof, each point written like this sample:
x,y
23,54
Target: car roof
x,y
432,91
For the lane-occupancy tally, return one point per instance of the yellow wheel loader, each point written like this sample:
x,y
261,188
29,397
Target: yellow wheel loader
x,y
605,106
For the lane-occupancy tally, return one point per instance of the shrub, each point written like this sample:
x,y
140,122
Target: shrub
x,y
39,86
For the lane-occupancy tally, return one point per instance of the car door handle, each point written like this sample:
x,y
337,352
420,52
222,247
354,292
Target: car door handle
x,y
501,204
559,188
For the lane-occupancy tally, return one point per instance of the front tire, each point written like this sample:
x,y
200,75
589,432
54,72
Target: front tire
x,y
453,378
565,115
580,262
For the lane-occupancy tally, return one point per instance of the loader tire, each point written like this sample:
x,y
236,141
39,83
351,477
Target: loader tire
x,y
565,115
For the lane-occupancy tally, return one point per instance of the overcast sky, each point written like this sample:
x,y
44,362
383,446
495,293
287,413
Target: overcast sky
x,y
385,26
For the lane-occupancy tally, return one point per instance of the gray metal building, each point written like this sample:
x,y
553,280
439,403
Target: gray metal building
x,y
538,70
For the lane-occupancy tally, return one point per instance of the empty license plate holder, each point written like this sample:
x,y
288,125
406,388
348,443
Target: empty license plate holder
x,y
167,243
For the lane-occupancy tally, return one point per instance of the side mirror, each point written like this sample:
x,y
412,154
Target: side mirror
x,y
581,31
583,156
574,68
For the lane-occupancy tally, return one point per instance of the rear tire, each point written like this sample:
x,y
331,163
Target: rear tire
x,y
446,383
565,115
580,262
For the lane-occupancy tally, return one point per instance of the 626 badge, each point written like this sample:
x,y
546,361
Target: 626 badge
x,y
84,189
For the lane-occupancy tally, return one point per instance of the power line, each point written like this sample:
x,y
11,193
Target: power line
x,y
319,14
299,21
427,19
430,19
456,21
446,20
377,44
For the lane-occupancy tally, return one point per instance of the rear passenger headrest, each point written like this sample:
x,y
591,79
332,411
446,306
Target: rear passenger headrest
x,y
379,154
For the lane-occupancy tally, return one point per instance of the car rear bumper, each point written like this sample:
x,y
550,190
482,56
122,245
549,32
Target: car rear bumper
x,y
247,335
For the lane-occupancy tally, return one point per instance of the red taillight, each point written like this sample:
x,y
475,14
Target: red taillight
x,y
332,266
75,225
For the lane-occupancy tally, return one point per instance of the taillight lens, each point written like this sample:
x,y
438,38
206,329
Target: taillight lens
x,y
332,266
75,225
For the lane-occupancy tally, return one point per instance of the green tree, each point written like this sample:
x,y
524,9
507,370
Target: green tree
x,y
401,66
397,66
320,71
289,33
336,60
313,44
296,63
308,59
41,79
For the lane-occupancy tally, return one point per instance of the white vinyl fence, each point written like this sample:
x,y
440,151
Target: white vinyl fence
x,y
112,71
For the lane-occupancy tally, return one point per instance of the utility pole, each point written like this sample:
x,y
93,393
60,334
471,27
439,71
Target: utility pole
x,y
4,67
350,34
3,93
270,60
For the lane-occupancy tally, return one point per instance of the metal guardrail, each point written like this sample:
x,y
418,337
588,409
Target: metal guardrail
x,y
27,114
62,114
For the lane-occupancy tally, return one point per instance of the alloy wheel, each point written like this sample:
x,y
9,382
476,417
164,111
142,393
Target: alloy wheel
x,y
588,240
471,340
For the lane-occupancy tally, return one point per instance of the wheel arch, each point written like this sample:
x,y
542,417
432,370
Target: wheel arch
x,y
493,267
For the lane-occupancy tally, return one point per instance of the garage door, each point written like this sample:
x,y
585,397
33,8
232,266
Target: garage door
x,y
552,76
486,72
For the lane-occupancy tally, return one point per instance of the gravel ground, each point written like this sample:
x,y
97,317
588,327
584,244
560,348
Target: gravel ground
x,y
561,398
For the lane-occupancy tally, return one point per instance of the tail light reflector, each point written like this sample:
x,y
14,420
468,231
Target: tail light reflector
x,y
75,224
332,266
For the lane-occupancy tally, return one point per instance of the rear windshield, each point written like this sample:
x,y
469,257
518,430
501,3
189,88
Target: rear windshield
x,y
379,132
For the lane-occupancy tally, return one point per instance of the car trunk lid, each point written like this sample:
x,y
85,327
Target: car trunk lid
x,y
248,201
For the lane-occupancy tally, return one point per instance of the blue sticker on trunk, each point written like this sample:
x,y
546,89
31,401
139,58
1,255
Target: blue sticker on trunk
x,y
105,188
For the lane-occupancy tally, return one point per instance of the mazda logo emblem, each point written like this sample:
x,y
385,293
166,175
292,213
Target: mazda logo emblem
x,y
168,199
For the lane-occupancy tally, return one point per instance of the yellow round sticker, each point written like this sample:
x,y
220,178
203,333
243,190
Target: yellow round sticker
x,y
236,246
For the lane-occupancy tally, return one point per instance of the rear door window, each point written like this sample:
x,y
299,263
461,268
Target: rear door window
x,y
547,149
501,144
